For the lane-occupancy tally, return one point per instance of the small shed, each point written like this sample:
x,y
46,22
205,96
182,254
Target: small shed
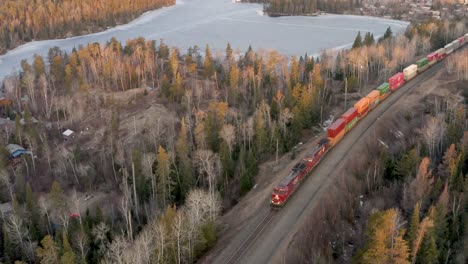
x,y
16,151
68,134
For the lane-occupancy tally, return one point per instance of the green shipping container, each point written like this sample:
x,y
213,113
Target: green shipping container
x,y
422,62
351,124
383,88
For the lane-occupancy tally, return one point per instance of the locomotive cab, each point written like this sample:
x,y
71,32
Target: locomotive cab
x,y
279,196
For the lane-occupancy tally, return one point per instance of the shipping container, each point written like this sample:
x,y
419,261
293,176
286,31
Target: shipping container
x,y
410,72
362,106
374,99
466,37
351,118
432,58
441,54
335,128
384,88
449,48
337,138
423,64
396,81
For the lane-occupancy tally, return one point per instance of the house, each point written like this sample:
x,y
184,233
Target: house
x,y
68,134
16,151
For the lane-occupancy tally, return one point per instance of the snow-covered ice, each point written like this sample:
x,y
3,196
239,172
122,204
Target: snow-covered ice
x,y
215,22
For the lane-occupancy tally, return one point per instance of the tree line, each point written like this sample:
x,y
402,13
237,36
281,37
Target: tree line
x,y
24,21
219,118
300,7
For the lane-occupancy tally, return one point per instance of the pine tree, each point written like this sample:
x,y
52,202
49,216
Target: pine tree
x,y
414,227
163,172
183,160
388,33
368,39
357,41
57,197
208,65
68,256
32,208
428,253
228,52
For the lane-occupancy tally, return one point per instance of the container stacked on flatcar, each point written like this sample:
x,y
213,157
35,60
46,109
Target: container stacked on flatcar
x,y
432,58
410,72
396,81
423,64
384,90
351,118
337,130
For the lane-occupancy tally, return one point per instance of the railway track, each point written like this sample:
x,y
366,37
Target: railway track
x,y
239,253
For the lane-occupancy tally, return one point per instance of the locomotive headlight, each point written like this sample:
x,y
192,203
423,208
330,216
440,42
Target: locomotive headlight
x,y
277,197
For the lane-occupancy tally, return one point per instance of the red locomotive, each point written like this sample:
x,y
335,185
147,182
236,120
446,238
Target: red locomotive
x,y
300,171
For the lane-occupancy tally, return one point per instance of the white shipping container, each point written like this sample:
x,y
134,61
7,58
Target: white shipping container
x,y
410,71
449,48
455,44
441,52
410,76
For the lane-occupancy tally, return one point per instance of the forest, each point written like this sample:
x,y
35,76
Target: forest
x,y
301,7
167,140
27,20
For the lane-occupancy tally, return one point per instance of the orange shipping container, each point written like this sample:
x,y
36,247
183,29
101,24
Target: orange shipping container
x,y
337,138
374,98
362,105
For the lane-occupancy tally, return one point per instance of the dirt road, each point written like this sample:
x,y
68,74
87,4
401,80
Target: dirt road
x,y
263,235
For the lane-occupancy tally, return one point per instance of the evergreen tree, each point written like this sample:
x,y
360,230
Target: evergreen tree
x,y
68,256
228,52
368,39
414,226
388,33
57,197
164,172
428,253
209,68
33,210
183,160
357,41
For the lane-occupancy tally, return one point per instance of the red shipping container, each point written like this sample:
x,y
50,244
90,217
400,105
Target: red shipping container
x,y
432,56
396,81
335,128
349,115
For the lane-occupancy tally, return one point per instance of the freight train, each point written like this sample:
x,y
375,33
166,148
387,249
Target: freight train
x,y
337,130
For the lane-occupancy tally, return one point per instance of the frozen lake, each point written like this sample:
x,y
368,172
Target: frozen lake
x,y
216,22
